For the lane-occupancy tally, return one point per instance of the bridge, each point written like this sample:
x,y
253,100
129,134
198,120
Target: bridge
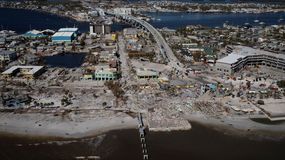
x,y
165,50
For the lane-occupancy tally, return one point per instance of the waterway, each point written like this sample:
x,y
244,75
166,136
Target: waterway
x,y
201,143
67,60
175,20
21,20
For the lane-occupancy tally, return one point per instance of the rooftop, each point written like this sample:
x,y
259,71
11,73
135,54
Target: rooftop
x,y
63,34
243,51
146,72
33,69
34,32
105,69
230,59
68,30
246,51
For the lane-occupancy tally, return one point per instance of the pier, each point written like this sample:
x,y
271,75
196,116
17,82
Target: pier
x,y
142,133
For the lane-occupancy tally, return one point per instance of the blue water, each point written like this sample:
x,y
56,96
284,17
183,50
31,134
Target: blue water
x,y
21,20
68,60
176,20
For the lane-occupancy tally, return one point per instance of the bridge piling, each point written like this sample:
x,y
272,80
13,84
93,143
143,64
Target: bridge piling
x,y
141,129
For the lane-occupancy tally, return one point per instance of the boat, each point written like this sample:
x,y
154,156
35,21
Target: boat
x,y
262,23
256,21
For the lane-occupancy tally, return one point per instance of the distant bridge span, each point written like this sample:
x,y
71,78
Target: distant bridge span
x,y
165,50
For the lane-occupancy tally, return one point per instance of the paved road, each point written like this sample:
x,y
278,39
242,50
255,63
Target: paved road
x,y
165,50
123,59
164,47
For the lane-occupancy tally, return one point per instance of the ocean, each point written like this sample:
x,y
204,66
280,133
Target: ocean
x,y
21,20
200,143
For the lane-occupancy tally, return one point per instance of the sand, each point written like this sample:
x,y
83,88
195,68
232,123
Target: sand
x,y
48,125
241,126
75,126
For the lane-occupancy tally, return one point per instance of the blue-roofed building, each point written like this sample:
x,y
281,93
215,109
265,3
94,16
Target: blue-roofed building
x,y
65,35
34,34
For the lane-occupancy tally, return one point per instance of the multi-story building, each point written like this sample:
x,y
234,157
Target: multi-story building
x,y
105,73
28,72
100,28
241,56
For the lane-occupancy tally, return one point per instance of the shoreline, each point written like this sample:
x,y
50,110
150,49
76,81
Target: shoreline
x,y
52,127
85,125
242,127
41,127
162,11
210,12
46,12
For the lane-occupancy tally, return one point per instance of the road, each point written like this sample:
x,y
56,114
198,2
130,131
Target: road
x,y
165,50
125,69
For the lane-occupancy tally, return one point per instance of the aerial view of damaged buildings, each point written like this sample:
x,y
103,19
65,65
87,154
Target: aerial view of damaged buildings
x,y
164,73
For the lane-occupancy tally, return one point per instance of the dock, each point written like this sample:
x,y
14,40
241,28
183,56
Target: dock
x,y
141,129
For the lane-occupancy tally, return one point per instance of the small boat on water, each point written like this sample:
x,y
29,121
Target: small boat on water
x,y
280,20
262,23
256,21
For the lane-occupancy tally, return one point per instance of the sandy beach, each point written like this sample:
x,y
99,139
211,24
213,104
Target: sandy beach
x,y
241,126
79,126
48,125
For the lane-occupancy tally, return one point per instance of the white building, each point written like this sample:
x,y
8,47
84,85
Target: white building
x,y
224,65
240,56
28,72
127,11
